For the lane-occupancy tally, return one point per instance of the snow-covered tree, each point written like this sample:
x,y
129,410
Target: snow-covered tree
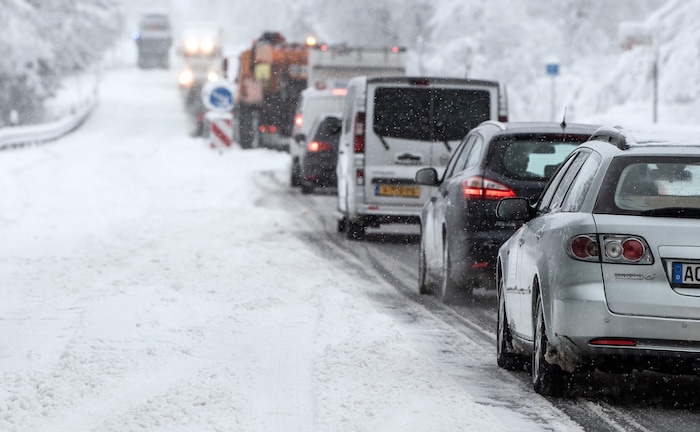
x,y
50,40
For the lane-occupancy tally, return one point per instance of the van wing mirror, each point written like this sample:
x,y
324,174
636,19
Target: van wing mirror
x,y
427,177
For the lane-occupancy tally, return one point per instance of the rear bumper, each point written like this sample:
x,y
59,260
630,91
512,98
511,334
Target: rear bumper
x,y
663,344
274,141
474,255
386,214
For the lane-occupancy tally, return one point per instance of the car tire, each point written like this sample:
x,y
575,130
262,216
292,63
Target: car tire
x,y
356,230
505,357
294,176
425,286
306,188
448,290
547,379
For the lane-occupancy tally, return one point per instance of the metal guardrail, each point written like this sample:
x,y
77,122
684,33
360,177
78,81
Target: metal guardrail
x,y
22,136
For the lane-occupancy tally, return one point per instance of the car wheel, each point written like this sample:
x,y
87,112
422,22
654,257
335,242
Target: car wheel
x,y
342,224
356,230
505,357
306,188
424,286
448,289
547,379
294,177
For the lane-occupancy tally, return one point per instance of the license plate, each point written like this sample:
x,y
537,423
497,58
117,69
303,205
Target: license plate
x,y
405,191
685,273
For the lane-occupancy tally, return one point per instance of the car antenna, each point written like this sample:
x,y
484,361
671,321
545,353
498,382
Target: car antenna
x,y
563,121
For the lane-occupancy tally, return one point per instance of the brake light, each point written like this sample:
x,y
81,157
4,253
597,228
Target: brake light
x,y
298,120
420,81
395,49
613,249
583,247
480,188
319,146
359,133
272,129
626,249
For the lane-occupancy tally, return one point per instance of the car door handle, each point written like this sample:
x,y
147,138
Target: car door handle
x,y
538,234
444,193
521,241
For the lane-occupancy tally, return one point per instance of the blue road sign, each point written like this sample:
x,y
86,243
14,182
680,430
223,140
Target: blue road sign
x,y
218,96
553,69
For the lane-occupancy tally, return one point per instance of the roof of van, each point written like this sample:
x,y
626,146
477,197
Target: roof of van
x,y
424,80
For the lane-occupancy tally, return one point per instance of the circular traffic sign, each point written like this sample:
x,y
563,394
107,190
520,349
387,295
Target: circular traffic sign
x,y
218,95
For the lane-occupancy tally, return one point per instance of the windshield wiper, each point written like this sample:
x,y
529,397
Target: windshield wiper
x,y
384,143
682,212
447,144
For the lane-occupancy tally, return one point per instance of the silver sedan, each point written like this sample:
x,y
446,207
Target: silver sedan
x,y
605,273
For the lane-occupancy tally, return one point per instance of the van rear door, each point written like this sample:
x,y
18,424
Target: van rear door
x,y
414,123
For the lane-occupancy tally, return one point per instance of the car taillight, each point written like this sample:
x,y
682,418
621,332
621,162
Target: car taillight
x,y
298,120
613,249
626,249
359,133
481,188
319,146
583,247
360,177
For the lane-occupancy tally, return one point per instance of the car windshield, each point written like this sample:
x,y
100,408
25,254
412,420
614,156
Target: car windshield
x,y
531,156
654,186
429,114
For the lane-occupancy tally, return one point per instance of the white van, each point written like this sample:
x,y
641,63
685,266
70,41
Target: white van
x,y
394,126
312,103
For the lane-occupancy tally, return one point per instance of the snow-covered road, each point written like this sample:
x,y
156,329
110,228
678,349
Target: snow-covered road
x,y
149,285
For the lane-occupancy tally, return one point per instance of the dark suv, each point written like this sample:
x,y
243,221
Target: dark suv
x,y
319,157
460,234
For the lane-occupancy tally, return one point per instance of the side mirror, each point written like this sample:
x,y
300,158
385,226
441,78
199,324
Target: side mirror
x,y
300,138
513,209
427,177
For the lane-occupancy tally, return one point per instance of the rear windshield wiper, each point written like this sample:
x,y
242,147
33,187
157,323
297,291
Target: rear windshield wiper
x,y
384,143
683,212
447,144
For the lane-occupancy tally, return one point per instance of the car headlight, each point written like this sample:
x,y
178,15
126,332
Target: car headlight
x,y
191,45
186,78
207,45
212,76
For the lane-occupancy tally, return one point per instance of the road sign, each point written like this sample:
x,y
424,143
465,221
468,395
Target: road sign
x,y
553,69
218,95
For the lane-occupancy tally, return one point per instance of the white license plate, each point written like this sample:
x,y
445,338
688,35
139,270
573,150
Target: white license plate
x,y
685,273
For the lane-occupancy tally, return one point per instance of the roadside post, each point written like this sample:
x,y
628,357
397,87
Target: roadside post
x,y
218,99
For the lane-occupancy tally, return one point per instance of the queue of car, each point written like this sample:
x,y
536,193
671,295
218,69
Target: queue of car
x,y
588,235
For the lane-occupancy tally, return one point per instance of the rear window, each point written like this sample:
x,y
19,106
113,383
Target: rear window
x,y
531,156
429,114
328,130
663,186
